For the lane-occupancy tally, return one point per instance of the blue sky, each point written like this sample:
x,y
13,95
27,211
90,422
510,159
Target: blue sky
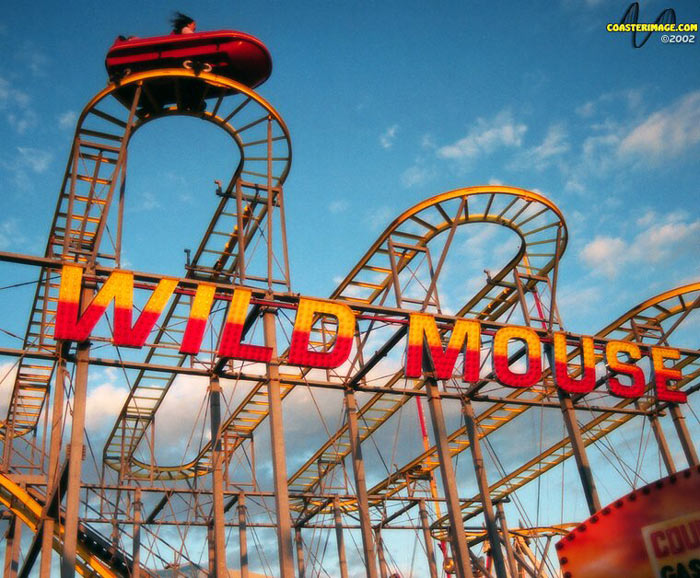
x,y
389,103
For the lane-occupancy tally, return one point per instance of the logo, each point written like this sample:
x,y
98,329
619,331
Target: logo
x,y
665,22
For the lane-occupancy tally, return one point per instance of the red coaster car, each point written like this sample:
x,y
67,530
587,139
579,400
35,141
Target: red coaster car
x,y
238,56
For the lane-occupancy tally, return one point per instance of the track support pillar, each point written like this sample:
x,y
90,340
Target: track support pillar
x,y
358,466
340,539
301,565
427,538
136,542
279,462
53,473
482,481
75,461
242,535
454,511
219,547
13,538
691,455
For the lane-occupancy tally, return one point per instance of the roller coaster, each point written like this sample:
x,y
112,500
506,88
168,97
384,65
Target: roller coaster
x,y
300,471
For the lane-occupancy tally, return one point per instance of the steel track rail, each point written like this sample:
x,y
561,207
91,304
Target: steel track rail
x,y
531,216
656,312
525,213
27,509
97,164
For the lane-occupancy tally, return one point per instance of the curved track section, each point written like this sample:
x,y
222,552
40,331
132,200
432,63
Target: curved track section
x,y
388,265
27,509
533,218
96,169
652,322
240,219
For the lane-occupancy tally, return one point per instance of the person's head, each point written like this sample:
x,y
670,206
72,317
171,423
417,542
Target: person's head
x,y
183,24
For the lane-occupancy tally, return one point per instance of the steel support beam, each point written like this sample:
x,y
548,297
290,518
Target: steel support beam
x,y
279,462
427,538
242,535
53,473
383,568
579,449
482,481
457,536
691,455
576,440
340,540
75,461
13,539
358,467
661,442
512,565
219,547
136,540
301,565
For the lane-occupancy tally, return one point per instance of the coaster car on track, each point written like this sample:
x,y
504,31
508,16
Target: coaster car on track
x,y
235,55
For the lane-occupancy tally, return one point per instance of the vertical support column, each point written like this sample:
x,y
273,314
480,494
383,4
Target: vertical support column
x,y
210,545
429,550
242,537
136,541
661,441
342,561
12,543
301,567
270,207
219,570
75,462
383,569
686,440
577,445
454,512
486,503
54,457
279,462
579,449
506,540
358,467
240,232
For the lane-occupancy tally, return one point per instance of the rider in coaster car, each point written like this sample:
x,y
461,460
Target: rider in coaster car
x,y
183,24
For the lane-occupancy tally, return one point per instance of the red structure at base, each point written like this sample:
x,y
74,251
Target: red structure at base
x,y
651,532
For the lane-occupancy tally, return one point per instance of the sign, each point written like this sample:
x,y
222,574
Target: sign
x,y
653,532
425,354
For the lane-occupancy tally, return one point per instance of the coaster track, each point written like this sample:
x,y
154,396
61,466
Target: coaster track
x,y
402,272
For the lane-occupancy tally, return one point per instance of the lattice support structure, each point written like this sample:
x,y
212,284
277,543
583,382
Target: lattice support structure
x,y
140,512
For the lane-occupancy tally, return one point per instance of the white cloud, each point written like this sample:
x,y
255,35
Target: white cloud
x,y
604,254
555,144
147,202
66,120
338,206
388,137
380,218
666,133
485,137
9,234
36,160
415,176
660,239
26,162
103,405
8,372
16,105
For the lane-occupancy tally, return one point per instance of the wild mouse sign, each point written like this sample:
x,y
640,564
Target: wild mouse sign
x,y
434,342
